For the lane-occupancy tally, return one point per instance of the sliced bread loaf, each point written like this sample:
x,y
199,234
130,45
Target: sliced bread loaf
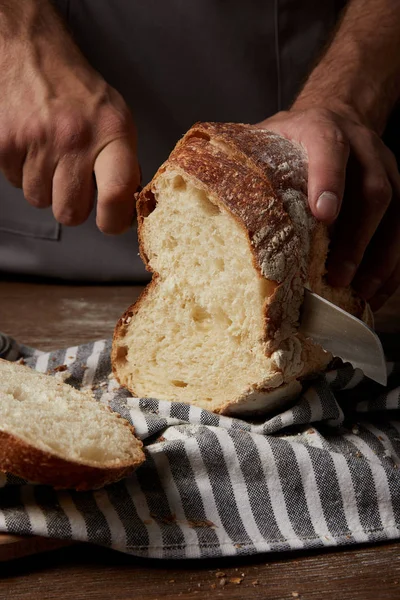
x,y
226,230
53,434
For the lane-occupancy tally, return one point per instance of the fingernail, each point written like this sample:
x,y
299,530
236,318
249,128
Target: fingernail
x,y
368,286
327,206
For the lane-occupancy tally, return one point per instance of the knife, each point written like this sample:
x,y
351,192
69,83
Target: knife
x,y
343,335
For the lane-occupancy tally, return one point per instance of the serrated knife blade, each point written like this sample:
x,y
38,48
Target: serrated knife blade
x,y
343,335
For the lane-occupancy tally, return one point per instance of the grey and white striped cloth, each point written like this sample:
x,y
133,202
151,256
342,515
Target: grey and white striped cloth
x,y
323,473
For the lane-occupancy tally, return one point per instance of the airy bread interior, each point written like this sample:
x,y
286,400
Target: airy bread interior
x,y
52,416
198,333
226,230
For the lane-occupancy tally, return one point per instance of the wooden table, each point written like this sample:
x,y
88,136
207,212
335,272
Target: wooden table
x,y
49,316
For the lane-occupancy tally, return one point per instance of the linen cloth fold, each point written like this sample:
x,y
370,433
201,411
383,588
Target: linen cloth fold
x,y
324,472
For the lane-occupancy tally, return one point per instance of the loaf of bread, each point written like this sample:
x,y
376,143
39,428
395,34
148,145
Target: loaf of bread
x,y
225,228
53,434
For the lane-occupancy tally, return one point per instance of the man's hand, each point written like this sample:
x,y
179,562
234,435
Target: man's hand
x,y
353,176
60,123
339,117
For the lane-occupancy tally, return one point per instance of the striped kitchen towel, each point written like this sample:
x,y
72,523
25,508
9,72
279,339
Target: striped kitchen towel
x,y
322,473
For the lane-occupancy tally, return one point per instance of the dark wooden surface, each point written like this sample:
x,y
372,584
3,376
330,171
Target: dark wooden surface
x,y
55,316
89,573
50,316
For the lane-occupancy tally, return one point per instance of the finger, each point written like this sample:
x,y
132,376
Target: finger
x,y
328,152
117,176
73,190
383,252
37,179
11,164
387,290
368,196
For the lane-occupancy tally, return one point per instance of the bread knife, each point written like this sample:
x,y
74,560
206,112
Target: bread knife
x,y
343,335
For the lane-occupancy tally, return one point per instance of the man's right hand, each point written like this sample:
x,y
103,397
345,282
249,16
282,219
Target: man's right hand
x,y
61,123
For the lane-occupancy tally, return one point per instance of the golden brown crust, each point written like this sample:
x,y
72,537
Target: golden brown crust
x,y
263,149
261,179
284,164
31,463
121,329
246,193
145,204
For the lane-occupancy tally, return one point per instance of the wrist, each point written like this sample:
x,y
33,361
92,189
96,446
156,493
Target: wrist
x,y
355,100
314,99
340,106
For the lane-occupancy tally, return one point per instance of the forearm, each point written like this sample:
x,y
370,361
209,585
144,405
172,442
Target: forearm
x,y
38,53
37,18
361,67
36,37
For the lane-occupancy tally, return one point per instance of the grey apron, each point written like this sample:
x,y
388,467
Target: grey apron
x,y
175,62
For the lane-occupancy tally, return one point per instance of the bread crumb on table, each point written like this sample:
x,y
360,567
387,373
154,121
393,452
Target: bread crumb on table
x,y
167,519
199,523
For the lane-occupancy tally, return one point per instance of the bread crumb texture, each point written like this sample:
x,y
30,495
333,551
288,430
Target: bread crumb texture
x,y
226,229
53,417
201,338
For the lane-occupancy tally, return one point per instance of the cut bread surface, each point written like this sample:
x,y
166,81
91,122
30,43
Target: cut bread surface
x,y
201,333
226,230
59,423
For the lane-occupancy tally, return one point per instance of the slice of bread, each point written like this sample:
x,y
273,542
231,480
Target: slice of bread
x,y
53,434
226,229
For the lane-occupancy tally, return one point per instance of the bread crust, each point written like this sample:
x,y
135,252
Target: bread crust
x,y
251,175
260,178
31,463
251,201
28,461
122,325
284,164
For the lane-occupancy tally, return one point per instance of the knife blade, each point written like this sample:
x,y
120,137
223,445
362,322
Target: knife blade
x,y
343,335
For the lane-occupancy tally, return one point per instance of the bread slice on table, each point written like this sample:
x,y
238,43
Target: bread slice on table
x,y
225,228
53,434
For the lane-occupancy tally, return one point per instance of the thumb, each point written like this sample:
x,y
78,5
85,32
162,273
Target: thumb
x,y
117,176
328,153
